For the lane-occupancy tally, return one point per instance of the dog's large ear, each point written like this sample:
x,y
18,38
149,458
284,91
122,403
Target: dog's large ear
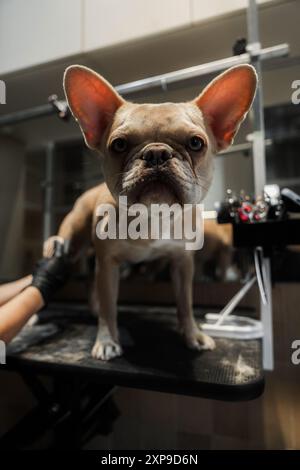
x,y
226,101
92,100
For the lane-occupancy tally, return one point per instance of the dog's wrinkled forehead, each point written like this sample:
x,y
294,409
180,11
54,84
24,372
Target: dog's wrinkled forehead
x,y
156,122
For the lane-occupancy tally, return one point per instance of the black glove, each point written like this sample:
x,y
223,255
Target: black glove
x,y
50,274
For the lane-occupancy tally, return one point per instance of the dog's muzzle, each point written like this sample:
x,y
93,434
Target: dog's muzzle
x,y
156,155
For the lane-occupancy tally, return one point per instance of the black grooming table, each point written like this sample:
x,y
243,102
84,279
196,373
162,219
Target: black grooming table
x,y
154,358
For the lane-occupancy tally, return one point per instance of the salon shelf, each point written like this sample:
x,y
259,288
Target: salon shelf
x,y
267,234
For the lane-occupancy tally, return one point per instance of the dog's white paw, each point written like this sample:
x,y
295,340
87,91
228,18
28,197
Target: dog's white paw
x,y
199,341
106,349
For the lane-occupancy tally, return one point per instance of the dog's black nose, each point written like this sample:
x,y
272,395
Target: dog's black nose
x,y
156,155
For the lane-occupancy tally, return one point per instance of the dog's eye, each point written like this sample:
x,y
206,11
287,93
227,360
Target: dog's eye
x,y
195,143
119,145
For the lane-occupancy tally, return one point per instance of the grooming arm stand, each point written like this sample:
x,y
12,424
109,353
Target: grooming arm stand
x,y
225,324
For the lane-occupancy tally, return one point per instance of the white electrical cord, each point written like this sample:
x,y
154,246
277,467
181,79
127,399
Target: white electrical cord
x,y
260,273
228,309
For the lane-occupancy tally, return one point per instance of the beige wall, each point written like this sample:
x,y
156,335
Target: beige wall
x,y
36,32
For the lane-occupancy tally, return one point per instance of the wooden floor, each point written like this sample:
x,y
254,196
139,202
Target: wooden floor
x,y
157,420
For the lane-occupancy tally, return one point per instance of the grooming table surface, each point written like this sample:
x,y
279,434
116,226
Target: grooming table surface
x,y
155,357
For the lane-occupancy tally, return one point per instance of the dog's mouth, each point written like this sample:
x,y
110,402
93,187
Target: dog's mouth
x,y
155,188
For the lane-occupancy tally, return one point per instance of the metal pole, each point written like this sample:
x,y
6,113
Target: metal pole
x,y
199,70
245,147
257,113
267,318
259,166
48,195
27,114
157,81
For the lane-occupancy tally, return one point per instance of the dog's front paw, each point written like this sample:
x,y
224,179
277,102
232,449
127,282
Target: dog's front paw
x,y
106,349
198,340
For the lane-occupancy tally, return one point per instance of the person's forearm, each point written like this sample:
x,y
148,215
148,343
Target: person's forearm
x,y
15,313
11,289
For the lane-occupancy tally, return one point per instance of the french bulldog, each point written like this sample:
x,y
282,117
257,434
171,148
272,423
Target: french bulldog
x,y
151,153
